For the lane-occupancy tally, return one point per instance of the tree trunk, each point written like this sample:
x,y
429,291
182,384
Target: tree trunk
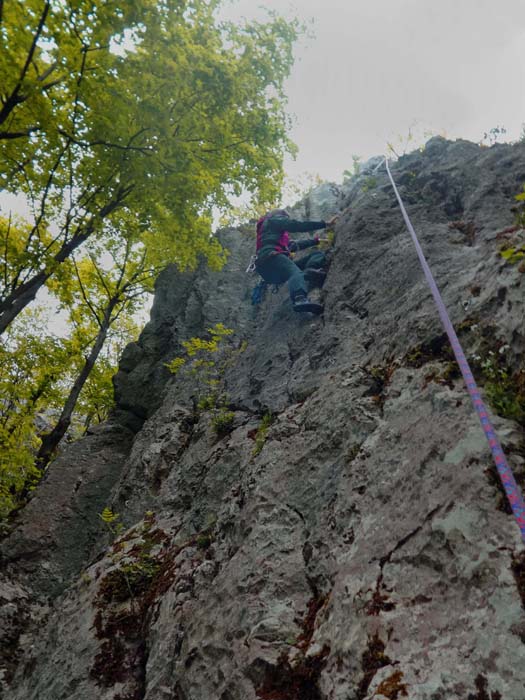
x,y
20,298
51,440
26,292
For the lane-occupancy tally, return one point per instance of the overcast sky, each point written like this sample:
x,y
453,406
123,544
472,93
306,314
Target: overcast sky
x,y
376,67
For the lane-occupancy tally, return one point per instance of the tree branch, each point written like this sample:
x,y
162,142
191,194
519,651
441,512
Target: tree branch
x,y
15,97
84,295
101,277
5,135
6,280
145,150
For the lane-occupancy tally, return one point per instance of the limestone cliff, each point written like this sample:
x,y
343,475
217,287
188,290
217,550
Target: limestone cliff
x,y
341,534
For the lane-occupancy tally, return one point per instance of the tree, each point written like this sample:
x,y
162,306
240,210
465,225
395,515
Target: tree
x,y
97,396
191,114
31,384
97,299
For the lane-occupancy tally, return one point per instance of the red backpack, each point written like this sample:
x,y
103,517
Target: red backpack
x,y
284,240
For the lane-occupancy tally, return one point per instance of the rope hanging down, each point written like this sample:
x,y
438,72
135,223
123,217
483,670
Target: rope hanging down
x,y
512,490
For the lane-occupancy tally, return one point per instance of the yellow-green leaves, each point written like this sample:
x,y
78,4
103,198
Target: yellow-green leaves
x,y
108,516
513,255
122,158
175,364
520,209
521,196
201,350
206,362
161,135
30,390
198,345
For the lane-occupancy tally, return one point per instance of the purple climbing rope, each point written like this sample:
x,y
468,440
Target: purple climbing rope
x,y
512,490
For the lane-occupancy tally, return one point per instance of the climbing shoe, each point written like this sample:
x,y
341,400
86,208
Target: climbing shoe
x,y
302,303
315,277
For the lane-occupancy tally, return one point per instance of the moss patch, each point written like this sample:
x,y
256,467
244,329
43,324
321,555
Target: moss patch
x,y
380,376
436,349
129,581
260,434
504,386
446,376
126,602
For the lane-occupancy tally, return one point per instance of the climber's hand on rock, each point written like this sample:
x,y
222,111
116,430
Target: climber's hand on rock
x,y
331,222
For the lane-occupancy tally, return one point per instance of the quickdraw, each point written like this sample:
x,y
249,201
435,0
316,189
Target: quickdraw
x,y
251,267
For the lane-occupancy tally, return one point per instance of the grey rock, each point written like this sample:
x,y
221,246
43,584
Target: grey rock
x,y
358,547
320,203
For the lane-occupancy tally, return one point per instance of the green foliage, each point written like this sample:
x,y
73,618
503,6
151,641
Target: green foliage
x,y
328,240
521,196
293,190
38,370
206,362
513,255
222,421
369,183
262,433
204,540
505,388
356,169
207,403
108,516
129,580
201,363
31,383
520,209
175,364
145,141
195,346
112,521
414,139
492,135
123,151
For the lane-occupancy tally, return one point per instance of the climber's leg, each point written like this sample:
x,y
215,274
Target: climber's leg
x,y
277,269
315,260
314,267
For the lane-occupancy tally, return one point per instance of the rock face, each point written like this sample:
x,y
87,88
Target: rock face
x,y
331,527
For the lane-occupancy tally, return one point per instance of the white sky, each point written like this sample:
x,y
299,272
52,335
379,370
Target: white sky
x,y
376,67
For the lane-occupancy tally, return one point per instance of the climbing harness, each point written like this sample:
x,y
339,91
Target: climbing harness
x,y
512,490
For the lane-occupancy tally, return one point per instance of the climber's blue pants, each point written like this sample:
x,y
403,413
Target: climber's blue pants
x,y
276,269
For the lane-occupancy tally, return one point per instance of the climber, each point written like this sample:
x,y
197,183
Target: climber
x,y
273,261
